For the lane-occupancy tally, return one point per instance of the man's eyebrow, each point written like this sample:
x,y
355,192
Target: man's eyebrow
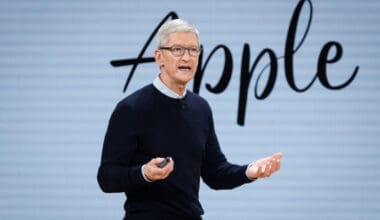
x,y
179,45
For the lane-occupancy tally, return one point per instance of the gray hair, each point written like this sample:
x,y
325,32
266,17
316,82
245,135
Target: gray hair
x,y
173,26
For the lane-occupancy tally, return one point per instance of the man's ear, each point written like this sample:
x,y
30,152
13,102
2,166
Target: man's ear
x,y
158,57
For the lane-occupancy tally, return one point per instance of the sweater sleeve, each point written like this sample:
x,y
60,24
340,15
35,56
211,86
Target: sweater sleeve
x,y
115,174
217,172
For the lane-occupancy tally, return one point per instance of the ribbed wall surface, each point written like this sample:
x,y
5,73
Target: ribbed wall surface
x,y
57,91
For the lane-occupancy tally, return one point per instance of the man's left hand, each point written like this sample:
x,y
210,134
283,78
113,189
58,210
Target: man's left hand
x,y
265,166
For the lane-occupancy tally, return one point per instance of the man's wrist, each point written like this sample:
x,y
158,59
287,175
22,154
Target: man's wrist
x,y
246,171
143,174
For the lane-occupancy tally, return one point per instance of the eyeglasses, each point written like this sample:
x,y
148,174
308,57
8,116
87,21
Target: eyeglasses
x,y
178,51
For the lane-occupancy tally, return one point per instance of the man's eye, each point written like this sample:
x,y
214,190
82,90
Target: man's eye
x,y
177,49
194,50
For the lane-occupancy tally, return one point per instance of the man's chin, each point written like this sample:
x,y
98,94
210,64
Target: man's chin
x,y
185,78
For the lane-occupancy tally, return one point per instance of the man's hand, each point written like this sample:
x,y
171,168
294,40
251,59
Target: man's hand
x,y
264,167
153,172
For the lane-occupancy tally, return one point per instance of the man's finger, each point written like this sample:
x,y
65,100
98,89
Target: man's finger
x,y
263,169
277,156
267,171
275,166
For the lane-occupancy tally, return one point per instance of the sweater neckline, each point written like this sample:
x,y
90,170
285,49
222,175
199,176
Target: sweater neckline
x,y
167,98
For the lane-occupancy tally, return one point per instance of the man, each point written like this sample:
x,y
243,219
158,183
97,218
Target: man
x,y
162,120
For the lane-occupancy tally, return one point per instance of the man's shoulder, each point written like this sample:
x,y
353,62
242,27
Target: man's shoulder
x,y
197,100
138,98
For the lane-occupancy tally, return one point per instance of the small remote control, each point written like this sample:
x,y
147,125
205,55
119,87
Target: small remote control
x,y
163,163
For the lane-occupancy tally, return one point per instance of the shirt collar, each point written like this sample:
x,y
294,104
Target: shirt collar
x,y
158,84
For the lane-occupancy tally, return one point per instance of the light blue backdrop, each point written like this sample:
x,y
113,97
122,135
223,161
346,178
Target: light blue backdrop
x,y
58,89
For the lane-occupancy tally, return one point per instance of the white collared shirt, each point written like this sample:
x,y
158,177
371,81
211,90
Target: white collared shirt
x,y
158,84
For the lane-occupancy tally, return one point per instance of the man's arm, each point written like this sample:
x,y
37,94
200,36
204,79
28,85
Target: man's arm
x,y
120,142
218,173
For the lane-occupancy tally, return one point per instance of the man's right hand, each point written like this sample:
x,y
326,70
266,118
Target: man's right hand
x,y
153,172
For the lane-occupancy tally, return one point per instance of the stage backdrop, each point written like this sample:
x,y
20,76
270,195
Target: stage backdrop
x,y
301,77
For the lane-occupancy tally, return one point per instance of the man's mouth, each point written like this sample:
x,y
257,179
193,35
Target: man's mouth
x,y
184,68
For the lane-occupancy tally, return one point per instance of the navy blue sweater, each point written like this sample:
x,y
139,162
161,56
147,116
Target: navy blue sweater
x,y
149,124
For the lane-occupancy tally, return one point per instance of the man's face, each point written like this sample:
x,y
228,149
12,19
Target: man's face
x,y
178,70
